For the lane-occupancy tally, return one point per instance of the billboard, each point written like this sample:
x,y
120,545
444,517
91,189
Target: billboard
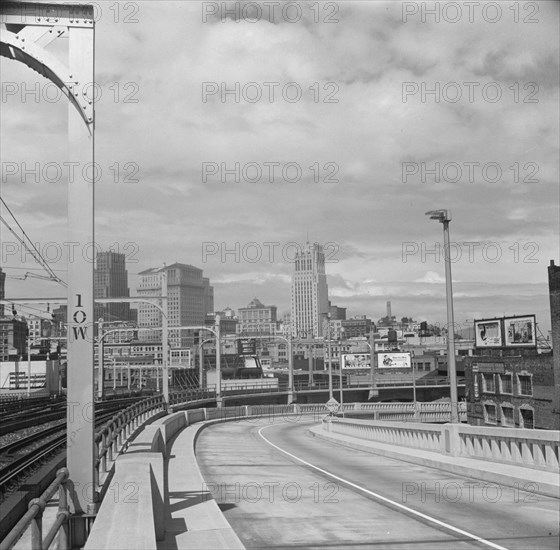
x,y
488,333
246,346
355,361
520,331
393,360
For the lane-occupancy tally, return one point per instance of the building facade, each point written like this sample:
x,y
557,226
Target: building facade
x,y
310,300
554,292
357,327
257,319
512,391
2,291
518,388
111,281
13,338
189,295
337,313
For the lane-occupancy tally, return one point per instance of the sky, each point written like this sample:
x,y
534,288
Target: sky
x,y
380,113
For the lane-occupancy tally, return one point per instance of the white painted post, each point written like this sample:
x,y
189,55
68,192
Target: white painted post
x,y
81,447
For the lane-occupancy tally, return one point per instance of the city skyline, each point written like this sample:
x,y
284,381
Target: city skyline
x,y
382,140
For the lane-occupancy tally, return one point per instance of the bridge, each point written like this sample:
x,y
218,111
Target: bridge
x,y
374,475
388,475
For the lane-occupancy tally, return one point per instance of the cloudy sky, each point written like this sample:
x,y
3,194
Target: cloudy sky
x,y
364,134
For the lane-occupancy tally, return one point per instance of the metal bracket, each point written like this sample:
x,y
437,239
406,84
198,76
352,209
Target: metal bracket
x,y
19,48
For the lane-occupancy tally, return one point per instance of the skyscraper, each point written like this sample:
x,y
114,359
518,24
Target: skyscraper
x,y
111,281
190,298
310,300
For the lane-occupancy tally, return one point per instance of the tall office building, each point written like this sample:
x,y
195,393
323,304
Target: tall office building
x,y
2,283
190,298
310,300
111,281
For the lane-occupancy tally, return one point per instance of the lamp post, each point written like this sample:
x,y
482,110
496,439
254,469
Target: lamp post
x,y
341,379
373,392
444,217
100,361
218,364
329,355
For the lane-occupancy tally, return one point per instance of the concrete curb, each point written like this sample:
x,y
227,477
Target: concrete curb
x,y
546,483
207,527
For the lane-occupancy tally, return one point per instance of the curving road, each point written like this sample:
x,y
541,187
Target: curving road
x,y
279,487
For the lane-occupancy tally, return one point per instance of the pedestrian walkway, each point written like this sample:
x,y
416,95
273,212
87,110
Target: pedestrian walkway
x,y
193,518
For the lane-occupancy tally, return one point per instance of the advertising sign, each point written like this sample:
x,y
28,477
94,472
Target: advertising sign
x,y
355,361
488,333
393,360
520,331
246,346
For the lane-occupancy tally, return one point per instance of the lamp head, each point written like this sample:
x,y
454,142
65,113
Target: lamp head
x,y
440,215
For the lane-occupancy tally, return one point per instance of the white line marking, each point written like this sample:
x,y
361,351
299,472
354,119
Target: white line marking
x,y
380,497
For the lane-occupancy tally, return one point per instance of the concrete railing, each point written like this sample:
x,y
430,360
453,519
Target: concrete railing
x,y
142,467
531,448
411,434
520,447
139,469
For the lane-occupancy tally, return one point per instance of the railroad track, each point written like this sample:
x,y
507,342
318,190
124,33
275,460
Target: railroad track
x,y
18,444
17,467
40,415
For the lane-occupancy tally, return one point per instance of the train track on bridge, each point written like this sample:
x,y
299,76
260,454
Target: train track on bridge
x,y
41,446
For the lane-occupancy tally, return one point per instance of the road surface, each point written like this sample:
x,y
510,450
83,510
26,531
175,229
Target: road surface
x,y
280,487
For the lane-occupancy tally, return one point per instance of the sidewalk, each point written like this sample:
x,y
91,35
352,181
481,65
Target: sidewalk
x,y
545,483
193,518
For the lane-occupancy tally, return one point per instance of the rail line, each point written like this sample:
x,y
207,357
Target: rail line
x,y
19,465
40,415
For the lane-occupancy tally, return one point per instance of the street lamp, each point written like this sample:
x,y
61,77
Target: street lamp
x,y
444,217
341,378
329,355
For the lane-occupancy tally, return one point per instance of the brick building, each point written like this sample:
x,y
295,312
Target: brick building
x,y
554,291
514,391
519,388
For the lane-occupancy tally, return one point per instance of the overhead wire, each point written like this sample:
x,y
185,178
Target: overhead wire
x,y
32,250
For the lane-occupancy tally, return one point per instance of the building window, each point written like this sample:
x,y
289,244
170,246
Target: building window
x,y
488,383
507,416
526,418
490,413
525,384
506,383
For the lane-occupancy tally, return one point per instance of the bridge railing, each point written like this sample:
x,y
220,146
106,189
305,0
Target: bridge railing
x,y
34,517
112,437
537,449
152,445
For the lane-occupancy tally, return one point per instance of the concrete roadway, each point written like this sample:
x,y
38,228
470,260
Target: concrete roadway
x,y
273,500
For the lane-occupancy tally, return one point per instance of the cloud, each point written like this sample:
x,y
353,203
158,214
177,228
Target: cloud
x,y
431,277
349,133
